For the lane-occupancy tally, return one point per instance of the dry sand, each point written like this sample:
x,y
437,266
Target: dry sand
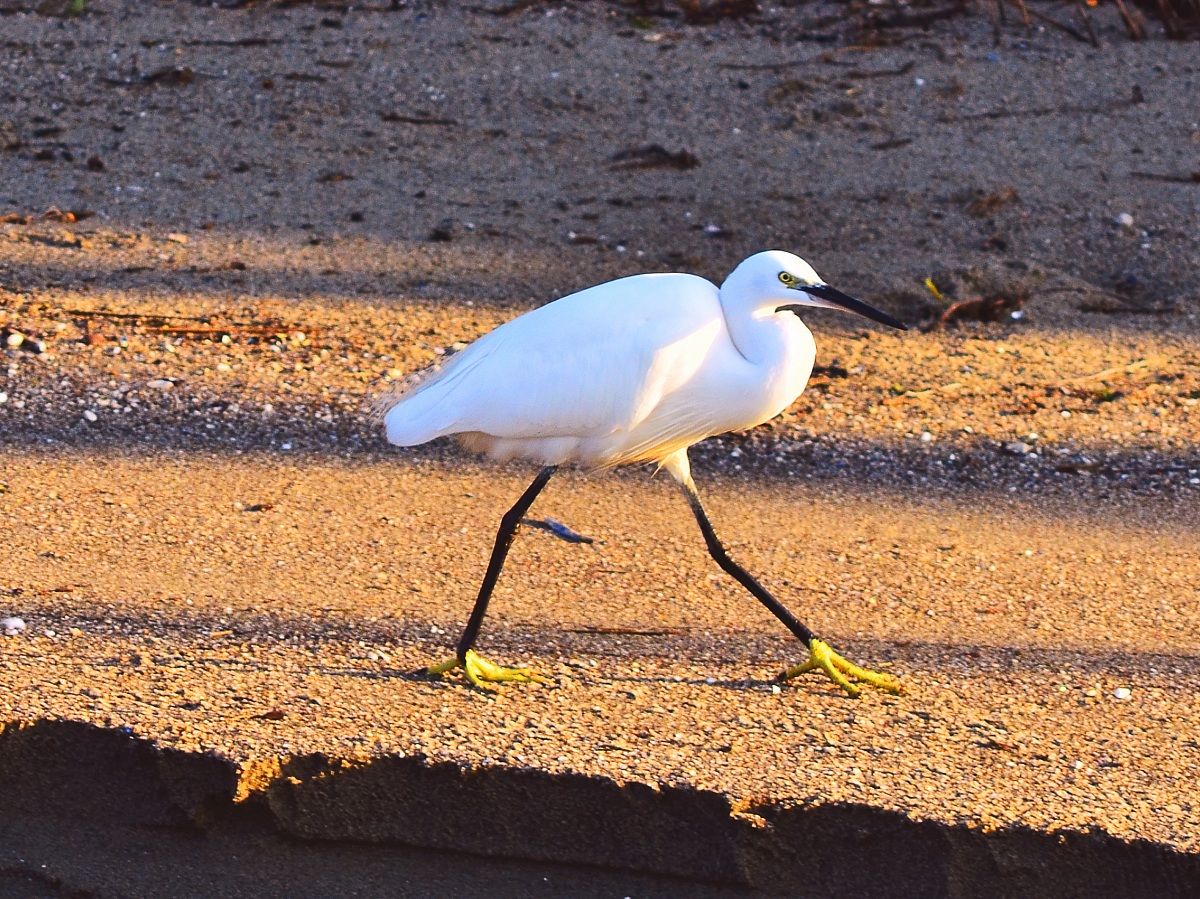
x,y
228,582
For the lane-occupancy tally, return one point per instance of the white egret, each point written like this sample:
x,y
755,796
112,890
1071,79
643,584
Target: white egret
x,y
633,370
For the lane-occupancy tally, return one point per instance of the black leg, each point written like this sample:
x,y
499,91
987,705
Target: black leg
x,y
743,577
504,538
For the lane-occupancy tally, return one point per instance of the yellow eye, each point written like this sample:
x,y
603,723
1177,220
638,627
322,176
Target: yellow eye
x,y
787,278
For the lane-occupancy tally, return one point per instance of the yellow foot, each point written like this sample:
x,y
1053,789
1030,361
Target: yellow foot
x,y
481,672
822,658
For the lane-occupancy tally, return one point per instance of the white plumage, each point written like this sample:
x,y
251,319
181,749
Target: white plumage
x,y
633,370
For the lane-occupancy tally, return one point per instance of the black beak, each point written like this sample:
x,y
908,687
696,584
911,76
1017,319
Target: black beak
x,y
835,297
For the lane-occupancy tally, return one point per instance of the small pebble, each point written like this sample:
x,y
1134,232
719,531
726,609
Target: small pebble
x,y
89,415
1122,693
12,626
160,384
1125,220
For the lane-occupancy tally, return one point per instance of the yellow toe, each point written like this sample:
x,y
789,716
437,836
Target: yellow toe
x,y
442,667
839,670
483,673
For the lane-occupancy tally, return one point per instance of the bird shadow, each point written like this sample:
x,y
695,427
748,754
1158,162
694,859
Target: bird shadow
x,y
722,649
740,684
411,675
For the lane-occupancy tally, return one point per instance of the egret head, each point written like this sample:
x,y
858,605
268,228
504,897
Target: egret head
x,y
783,282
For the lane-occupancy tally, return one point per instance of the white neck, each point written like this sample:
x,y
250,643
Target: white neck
x,y
763,338
760,334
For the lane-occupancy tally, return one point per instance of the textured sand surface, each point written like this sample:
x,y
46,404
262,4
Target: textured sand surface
x,y
157,608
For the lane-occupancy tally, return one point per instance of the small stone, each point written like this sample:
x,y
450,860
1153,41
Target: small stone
x,y
1018,448
14,339
160,384
446,230
1125,220
9,138
176,237
12,626
1122,693
89,415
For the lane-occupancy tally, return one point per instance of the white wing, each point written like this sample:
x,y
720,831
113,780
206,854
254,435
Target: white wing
x,y
591,364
